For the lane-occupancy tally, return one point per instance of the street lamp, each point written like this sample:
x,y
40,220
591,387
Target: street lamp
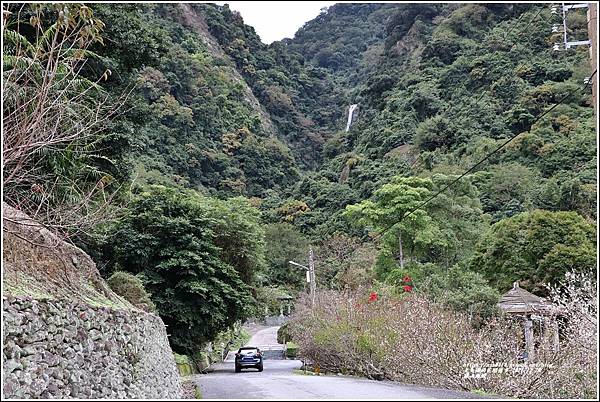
x,y
310,274
305,267
300,265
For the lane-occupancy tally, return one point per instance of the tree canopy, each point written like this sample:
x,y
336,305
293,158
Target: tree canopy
x,y
536,248
187,249
221,158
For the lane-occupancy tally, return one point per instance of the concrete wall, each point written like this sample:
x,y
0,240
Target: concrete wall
x,y
69,349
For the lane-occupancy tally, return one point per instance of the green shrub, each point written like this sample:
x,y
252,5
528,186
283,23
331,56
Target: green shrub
x,y
132,289
184,365
291,350
283,334
181,359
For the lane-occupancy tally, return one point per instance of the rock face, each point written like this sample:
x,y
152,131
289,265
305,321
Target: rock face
x,y
195,20
66,334
64,349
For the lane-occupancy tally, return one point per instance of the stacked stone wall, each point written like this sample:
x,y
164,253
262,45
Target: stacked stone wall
x,y
70,349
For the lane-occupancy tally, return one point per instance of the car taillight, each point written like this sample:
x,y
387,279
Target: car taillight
x,y
258,354
237,355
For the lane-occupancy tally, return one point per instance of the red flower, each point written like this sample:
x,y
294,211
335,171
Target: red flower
x,y
406,279
373,297
407,288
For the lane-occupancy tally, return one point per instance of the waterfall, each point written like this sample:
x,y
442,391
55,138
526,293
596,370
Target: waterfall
x,y
350,116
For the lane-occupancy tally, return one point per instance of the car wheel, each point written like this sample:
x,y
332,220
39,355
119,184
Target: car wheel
x,y
260,368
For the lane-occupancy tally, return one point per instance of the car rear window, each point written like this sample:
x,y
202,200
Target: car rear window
x,y
248,350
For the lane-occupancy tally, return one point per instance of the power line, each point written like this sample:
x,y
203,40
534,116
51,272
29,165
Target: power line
x,y
489,155
526,26
538,118
514,42
514,25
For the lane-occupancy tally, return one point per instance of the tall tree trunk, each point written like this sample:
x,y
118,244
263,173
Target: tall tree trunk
x,y
401,253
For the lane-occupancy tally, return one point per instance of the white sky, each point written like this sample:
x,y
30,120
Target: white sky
x,y
275,20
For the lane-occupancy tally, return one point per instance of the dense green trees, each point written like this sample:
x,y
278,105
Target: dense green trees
x,y
394,211
209,115
285,243
300,98
439,97
197,257
438,87
536,248
443,231
191,118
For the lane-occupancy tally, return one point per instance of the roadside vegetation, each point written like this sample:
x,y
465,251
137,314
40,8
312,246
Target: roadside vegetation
x,y
410,339
192,162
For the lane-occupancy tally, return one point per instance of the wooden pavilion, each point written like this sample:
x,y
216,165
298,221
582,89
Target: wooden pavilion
x,y
531,309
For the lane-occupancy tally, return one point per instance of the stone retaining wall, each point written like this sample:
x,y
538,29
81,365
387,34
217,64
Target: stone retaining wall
x,y
69,349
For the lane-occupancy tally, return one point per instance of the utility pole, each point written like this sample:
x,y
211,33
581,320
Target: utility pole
x,y
311,270
567,44
592,24
592,19
310,275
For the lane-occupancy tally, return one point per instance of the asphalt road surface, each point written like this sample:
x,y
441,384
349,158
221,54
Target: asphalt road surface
x,y
279,381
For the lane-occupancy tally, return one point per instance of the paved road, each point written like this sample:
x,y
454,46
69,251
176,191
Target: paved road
x,y
261,337
266,336
278,381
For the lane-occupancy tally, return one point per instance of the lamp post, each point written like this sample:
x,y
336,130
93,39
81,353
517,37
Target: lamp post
x,y
310,275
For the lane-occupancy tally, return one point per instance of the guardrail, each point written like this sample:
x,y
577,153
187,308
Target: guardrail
x,y
270,347
272,352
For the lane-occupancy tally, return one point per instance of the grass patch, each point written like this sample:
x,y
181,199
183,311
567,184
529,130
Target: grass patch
x,y
307,372
33,292
21,284
94,298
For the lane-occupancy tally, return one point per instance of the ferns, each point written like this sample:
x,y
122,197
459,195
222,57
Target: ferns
x,y
53,121
22,63
14,42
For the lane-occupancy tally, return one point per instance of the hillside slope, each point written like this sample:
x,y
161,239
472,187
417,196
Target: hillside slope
x,y
448,85
66,333
38,263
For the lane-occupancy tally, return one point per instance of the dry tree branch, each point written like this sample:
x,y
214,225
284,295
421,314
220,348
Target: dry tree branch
x,y
52,111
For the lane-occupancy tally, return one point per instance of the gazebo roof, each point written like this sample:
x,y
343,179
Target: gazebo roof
x,y
519,301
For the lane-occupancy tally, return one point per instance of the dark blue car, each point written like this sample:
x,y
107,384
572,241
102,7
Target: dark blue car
x,y
248,357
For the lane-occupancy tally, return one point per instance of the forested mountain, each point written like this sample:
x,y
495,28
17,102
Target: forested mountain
x,y
223,158
453,82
